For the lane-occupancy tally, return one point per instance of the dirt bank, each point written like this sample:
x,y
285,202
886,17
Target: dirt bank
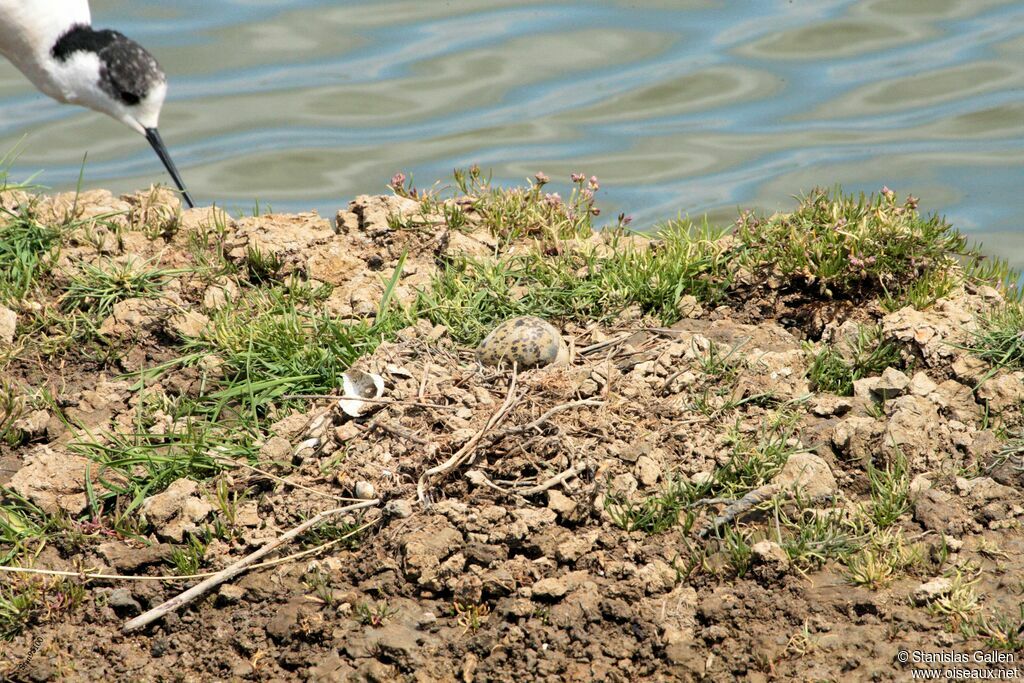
x,y
744,472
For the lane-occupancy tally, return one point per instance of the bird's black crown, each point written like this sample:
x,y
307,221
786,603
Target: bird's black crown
x,y
127,71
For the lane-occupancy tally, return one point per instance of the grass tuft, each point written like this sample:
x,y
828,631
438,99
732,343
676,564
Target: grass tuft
x,y
844,245
837,366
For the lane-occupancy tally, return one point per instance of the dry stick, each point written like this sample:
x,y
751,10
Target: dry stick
x,y
395,430
737,508
382,401
609,342
463,454
478,477
96,576
545,417
557,479
225,459
236,568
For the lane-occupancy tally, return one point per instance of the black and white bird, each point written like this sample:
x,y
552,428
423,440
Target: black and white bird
x,y
54,44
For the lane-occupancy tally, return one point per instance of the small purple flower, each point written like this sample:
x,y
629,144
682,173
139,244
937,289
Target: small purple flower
x,y
870,261
542,179
856,262
554,199
912,201
625,220
887,193
578,177
587,195
594,184
398,180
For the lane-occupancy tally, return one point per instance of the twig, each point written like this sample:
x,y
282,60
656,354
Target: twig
x,y
739,507
226,460
464,453
383,401
97,576
236,568
481,479
519,429
608,342
395,430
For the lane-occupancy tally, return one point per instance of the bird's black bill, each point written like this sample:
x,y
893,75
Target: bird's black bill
x,y
153,135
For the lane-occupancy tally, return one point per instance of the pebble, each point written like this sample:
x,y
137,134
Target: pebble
x,y
526,341
401,509
932,590
364,490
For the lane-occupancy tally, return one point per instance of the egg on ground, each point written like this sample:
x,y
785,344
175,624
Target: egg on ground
x,y
526,341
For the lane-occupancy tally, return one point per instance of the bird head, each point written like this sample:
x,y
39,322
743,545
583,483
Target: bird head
x,y
107,71
110,73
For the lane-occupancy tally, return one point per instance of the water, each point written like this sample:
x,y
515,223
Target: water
x,y
679,106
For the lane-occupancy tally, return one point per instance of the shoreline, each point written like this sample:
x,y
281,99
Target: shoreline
x,y
807,427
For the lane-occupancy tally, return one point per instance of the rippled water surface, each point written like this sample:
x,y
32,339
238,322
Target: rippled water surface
x,y
677,105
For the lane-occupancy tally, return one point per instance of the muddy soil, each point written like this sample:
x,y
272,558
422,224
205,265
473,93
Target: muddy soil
x,y
495,573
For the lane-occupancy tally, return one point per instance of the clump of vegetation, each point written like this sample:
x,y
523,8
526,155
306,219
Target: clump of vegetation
x,y
375,614
28,251
999,339
752,463
842,245
470,296
837,366
27,600
97,287
513,213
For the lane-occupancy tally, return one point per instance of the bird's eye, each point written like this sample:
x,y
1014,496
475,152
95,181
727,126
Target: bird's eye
x,y
129,97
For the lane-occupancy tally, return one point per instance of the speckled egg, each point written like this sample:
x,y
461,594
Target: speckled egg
x,y
527,341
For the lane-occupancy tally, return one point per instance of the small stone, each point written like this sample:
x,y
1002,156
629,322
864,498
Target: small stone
x,y
921,384
189,324
932,590
864,388
526,341
918,485
827,406
769,559
54,479
809,473
891,384
553,588
123,603
230,594
400,509
1002,393
364,490
8,323
701,478
689,307
969,369
562,504
218,295
126,559
648,472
